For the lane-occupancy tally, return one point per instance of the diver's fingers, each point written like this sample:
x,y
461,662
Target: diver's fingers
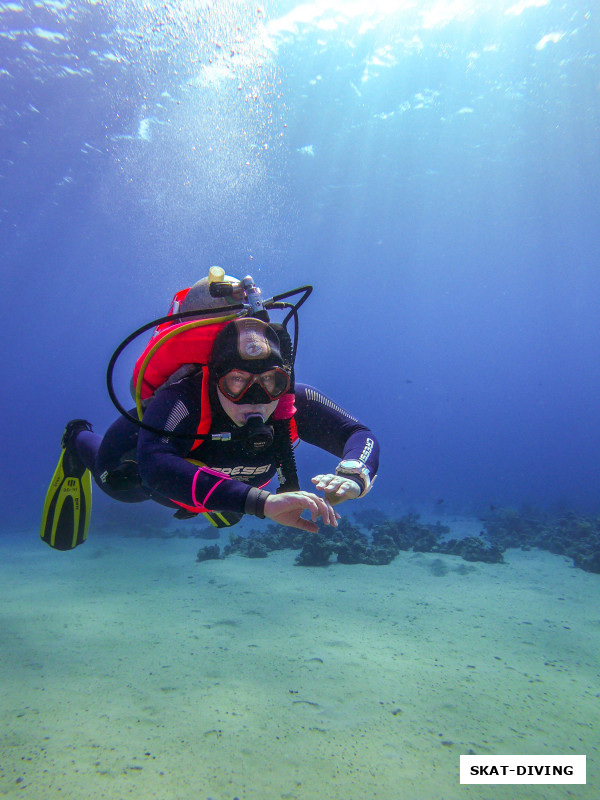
x,y
323,481
306,525
338,485
320,507
329,483
348,487
287,509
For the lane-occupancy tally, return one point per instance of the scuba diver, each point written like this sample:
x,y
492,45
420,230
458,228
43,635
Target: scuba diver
x,y
218,413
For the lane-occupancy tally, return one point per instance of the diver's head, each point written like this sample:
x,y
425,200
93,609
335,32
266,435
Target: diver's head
x,y
247,368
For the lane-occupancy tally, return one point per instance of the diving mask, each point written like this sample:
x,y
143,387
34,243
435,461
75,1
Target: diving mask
x,y
240,386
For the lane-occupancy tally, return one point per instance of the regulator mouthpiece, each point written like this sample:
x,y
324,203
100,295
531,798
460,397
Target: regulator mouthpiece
x,y
258,436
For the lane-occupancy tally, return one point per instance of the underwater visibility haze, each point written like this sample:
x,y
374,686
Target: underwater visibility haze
x,y
432,168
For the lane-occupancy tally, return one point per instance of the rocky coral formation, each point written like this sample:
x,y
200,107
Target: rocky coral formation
x,y
564,533
209,553
351,545
473,548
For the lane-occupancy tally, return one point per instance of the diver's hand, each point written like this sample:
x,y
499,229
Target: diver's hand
x,y
287,508
337,488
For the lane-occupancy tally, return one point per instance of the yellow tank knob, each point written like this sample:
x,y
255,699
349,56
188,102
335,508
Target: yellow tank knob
x,y
216,274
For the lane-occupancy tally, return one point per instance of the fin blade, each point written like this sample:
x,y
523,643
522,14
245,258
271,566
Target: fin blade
x,y
67,509
50,501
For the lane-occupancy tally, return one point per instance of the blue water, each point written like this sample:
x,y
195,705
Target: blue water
x,y
433,170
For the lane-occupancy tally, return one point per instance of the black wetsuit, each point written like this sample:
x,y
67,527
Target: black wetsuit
x,y
229,471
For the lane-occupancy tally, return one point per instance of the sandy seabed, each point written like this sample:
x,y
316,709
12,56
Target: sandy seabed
x,y
128,670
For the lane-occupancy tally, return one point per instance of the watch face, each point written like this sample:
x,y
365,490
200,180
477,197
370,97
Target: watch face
x,y
351,464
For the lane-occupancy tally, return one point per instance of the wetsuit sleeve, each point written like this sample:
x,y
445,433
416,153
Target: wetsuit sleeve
x,y
327,425
162,459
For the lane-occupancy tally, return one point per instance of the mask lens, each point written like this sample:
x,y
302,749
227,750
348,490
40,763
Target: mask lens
x,y
236,383
275,382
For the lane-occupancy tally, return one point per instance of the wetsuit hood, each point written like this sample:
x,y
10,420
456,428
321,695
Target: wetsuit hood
x,y
247,344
